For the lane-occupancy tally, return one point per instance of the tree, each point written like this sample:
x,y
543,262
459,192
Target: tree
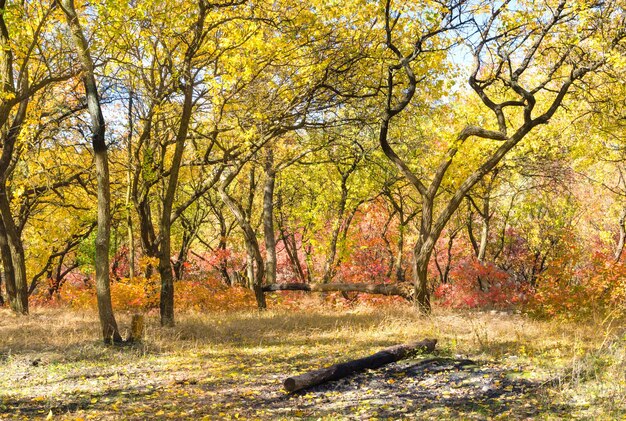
x,y
169,60
110,331
523,69
29,66
296,88
396,196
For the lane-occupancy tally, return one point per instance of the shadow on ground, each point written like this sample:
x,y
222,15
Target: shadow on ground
x,y
434,388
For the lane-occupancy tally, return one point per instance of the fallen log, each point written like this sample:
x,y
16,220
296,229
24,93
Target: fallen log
x,y
383,289
338,371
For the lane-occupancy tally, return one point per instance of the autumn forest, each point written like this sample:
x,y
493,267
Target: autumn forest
x,y
183,184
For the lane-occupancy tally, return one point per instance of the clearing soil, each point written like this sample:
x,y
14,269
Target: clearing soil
x,y
224,366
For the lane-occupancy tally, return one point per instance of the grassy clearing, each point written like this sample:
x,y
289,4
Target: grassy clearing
x,y
232,365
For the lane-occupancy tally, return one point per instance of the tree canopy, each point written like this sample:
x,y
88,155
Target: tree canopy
x,y
468,150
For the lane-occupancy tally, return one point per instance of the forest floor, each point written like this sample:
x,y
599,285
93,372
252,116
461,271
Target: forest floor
x,y
487,365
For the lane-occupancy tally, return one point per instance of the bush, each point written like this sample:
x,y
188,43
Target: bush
x,y
143,294
575,290
464,291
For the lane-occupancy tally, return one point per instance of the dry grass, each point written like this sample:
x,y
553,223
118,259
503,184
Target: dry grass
x,y
214,365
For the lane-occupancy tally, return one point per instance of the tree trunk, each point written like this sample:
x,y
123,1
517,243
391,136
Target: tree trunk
x,y
17,254
131,246
141,198
223,264
16,264
619,249
484,236
249,265
308,260
8,275
166,302
398,269
339,371
147,235
332,250
289,243
252,247
190,232
484,239
422,293
110,332
421,257
268,219
291,248
256,264
105,307
470,230
165,226
129,178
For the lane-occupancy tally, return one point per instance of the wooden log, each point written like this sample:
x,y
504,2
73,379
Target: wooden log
x,y
338,371
383,289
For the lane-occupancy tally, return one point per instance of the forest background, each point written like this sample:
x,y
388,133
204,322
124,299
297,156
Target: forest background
x,y
197,155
